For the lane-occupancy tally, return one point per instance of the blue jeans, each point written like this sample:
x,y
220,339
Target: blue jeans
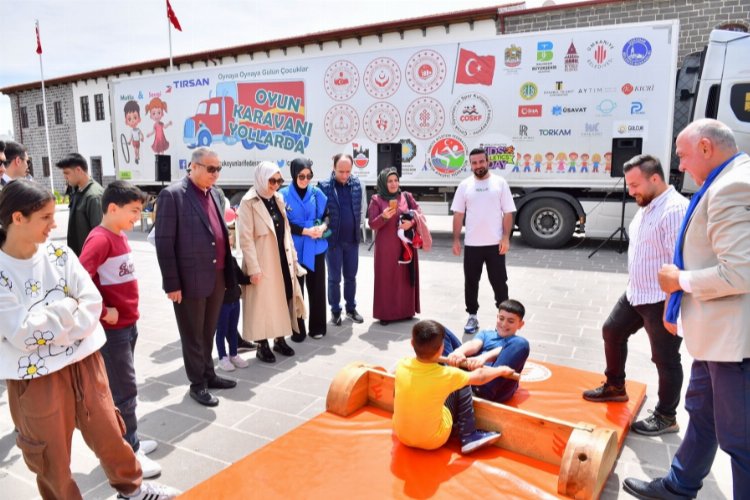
x,y
718,402
514,355
118,359
229,318
342,256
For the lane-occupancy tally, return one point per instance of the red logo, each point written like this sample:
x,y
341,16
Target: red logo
x,y
530,111
600,54
627,89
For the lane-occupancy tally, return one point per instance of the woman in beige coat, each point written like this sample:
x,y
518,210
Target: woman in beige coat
x,y
273,301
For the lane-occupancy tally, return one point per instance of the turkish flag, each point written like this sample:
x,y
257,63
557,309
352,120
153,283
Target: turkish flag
x,y
473,68
38,40
172,17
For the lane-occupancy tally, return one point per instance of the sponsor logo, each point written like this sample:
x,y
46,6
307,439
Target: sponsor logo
x,y
636,51
361,155
471,114
425,71
544,56
513,56
630,129
381,122
408,150
183,164
341,123
382,78
425,117
523,134
571,58
606,107
597,90
627,89
529,90
530,111
498,155
600,54
341,80
555,132
591,129
447,155
558,90
636,108
191,82
567,110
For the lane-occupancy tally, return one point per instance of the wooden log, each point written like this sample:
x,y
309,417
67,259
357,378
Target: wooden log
x,y
589,457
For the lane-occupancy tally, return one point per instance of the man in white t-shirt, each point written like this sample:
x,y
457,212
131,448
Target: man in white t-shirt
x,y
488,204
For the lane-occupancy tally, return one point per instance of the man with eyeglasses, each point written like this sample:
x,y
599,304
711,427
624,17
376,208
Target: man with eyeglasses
x,y
192,246
16,161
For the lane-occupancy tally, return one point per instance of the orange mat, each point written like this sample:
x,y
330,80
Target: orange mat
x,y
357,457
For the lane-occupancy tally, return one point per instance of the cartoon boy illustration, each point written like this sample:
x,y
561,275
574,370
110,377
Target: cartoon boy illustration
x,y
133,119
572,161
584,163
550,157
156,109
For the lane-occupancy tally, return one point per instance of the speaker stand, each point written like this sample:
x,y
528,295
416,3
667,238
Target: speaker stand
x,y
621,232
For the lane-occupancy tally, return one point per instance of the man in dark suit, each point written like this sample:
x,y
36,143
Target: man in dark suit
x,y
192,245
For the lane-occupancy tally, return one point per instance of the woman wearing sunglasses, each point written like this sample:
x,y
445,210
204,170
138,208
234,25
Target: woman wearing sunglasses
x,y
273,302
305,208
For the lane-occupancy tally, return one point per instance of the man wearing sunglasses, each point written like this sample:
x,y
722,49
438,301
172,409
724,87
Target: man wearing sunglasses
x,y
192,246
15,160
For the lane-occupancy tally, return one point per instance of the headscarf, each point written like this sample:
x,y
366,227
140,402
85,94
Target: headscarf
x,y
382,186
297,166
263,173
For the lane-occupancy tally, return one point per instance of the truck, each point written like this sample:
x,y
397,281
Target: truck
x,y
557,112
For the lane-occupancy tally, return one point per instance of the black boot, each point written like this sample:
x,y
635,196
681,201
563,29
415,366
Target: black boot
x,y
300,337
264,352
280,346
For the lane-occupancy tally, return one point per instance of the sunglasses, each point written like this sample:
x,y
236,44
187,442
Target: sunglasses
x,y
304,177
278,182
210,169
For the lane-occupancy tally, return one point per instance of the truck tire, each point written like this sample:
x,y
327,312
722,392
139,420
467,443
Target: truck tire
x,y
547,223
204,138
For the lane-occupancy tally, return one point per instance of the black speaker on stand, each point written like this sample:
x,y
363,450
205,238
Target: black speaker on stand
x,y
389,155
163,171
623,149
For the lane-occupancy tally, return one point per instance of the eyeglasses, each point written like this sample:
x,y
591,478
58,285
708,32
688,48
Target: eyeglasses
x,y
209,168
278,181
304,177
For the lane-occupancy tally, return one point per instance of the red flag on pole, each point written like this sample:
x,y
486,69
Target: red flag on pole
x,y
172,17
38,40
473,68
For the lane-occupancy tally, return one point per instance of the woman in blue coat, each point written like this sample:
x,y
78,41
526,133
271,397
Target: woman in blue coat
x,y
306,206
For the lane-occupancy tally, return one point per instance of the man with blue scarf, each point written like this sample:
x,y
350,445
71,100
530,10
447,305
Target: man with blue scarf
x,y
709,306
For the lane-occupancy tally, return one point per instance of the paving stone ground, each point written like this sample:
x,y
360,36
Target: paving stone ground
x,y
567,297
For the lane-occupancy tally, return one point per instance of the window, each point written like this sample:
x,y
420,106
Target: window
x,y
24,117
40,115
739,101
58,112
99,106
85,117
45,166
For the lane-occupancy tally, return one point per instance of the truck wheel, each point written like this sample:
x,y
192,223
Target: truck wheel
x,y
547,223
204,138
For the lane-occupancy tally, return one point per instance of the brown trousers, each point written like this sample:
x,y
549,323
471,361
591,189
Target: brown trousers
x,y
47,409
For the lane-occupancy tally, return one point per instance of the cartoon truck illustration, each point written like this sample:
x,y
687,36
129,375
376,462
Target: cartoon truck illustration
x,y
257,114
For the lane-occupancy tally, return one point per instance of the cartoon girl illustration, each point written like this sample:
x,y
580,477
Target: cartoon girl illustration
x,y
561,158
595,160
550,157
584,163
526,163
607,162
537,163
133,119
156,109
572,162
517,164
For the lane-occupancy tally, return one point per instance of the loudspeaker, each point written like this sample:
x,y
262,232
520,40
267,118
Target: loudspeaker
x,y
389,155
623,149
163,168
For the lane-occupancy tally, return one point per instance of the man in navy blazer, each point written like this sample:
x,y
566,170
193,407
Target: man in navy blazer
x,y
192,245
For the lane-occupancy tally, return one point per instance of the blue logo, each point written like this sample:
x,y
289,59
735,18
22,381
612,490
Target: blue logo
x,y
183,164
606,106
636,108
557,110
636,51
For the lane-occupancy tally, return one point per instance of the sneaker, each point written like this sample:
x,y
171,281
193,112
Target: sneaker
x,y
238,362
655,425
226,365
355,316
147,446
605,393
478,439
246,345
472,324
336,318
152,491
150,468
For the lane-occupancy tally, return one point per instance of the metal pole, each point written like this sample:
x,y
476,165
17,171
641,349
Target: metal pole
x,y
46,123
169,30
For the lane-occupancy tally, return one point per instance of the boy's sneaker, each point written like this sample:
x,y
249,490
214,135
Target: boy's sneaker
x,y
226,365
355,316
152,491
472,324
147,446
606,393
238,362
150,468
478,439
655,425
336,318
246,345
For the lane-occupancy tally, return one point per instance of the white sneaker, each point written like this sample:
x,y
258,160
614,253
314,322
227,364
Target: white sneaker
x,y
150,468
152,491
147,446
238,362
226,365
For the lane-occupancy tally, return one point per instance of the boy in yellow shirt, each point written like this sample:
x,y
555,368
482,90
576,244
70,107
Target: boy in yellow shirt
x,y
432,401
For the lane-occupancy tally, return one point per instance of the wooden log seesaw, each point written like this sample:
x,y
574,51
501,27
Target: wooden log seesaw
x,y
585,463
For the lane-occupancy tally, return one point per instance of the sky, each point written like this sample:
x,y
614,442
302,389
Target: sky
x,y
85,35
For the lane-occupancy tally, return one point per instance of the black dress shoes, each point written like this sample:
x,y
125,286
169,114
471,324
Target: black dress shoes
x,y
204,397
221,383
298,337
280,346
246,345
264,353
650,490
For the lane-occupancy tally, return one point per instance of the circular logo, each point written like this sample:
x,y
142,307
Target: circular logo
x,y
341,80
408,150
425,71
425,117
341,123
382,78
447,155
471,114
382,122
600,54
529,90
533,372
636,51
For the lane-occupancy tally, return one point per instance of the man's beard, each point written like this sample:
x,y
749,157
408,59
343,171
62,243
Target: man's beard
x,y
480,172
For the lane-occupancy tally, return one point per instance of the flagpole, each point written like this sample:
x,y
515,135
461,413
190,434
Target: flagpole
x,y
169,30
46,119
